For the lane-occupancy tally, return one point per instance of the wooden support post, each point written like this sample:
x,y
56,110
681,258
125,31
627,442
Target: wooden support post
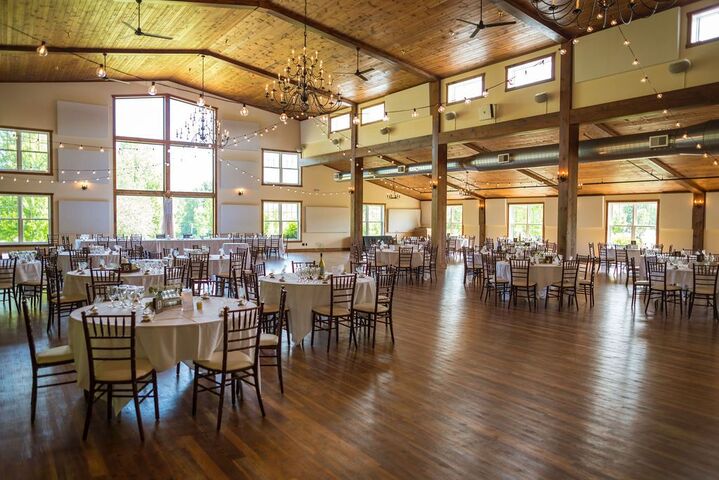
x,y
439,178
698,221
356,190
482,222
568,173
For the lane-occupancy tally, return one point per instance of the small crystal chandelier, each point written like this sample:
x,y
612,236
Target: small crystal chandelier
x,y
301,89
602,13
393,195
202,127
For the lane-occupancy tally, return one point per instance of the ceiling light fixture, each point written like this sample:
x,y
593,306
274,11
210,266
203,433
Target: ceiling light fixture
x,y
567,12
42,49
152,90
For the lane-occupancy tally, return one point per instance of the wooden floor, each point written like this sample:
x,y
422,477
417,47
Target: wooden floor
x,y
469,391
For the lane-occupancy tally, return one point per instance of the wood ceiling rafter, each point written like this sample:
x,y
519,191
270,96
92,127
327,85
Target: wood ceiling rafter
x,y
689,184
529,16
540,178
155,51
326,31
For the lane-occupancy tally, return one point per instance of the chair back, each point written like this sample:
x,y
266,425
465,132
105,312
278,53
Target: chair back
x,y
199,265
275,323
252,289
298,265
468,257
100,276
405,257
342,291
570,271
101,290
7,272
77,257
603,252
54,277
259,269
372,255
214,288
519,271
385,283
174,276
237,260
241,333
109,339
592,252
28,330
656,273
705,278
363,267
621,255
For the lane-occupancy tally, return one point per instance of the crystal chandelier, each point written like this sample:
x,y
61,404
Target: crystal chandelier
x,y
393,195
202,126
301,89
591,14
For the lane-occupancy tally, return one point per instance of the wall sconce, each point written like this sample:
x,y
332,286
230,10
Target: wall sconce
x,y
698,202
240,192
351,190
562,175
434,184
481,205
83,185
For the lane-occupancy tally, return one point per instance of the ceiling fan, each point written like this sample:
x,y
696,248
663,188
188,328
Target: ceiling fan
x,y
138,31
358,73
101,72
481,25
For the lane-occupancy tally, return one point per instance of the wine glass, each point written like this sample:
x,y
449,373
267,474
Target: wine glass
x,y
114,290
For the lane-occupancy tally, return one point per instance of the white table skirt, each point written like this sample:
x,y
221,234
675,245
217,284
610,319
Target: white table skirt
x,y
63,260
75,282
28,272
172,336
302,297
541,274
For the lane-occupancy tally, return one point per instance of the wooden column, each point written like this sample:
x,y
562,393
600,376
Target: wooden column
x,y
439,178
482,222
568,172
357,182
698,221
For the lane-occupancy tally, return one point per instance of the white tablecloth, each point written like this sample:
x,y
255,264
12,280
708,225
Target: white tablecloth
x,y
63,260
458,242
75,282
219,265
28,272
234,247
682,276
541,274
172,336
634,253
391,257
302,297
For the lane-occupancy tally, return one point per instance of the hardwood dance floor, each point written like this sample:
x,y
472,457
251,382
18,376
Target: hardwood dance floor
x,y
470,390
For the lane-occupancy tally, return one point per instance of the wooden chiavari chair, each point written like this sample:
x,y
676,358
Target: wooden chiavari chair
x,y
259,269
492,284
471,269
58,303
174,277
404,263
112,364
425,270
372,258
520,285
660,289
102,280
704,288
271,339
236,363
47,359
77,257
270,310
639,287
381,310
237,260
274,246
8,288
621,262
213,288
198,267
566,287
592,251
585,283
34,289
604,258
361,267
339,310
298,265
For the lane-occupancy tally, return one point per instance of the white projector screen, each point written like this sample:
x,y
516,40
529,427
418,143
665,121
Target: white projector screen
x,y
403,220
82,120
78,217
327,220
239,218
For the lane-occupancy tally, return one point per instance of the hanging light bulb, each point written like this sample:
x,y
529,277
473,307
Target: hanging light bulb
x,y
42,49
467,101
201,100
644,79
244,111
61,145
635,62
385,118
441,108
355,120
414,113
562,51
659,96
283,117
152,90
100,71
626,42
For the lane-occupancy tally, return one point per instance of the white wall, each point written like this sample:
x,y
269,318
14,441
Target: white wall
x,y
34,105
711,234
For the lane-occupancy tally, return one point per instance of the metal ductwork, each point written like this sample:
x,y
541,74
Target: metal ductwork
x,y
652,144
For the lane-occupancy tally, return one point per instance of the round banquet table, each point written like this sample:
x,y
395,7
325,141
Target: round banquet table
x,y
63,259
221,265
75,282
28,272
682,276
541,274
172,336
302,296
391,257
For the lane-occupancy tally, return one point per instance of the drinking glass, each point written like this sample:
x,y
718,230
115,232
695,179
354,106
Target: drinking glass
x,y
113,295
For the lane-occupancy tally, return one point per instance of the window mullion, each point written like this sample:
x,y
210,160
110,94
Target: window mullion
x,y
18,151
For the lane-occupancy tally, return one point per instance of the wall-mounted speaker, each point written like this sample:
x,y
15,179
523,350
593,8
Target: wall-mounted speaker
x,y
541,97
385,130
680,66
450,116
336,141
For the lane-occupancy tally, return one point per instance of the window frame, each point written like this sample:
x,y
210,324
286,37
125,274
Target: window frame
x,y
633,202
18,162
166,193
337,115
509,225
447,224
299,217
50,219
690,26
281,183
481,94
373,105
507,88
366,223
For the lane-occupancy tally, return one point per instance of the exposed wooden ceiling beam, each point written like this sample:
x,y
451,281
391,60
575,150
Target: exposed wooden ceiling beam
x,y
154,51
527,15
475,147
606,129
689,184
541,179
326,31
685,97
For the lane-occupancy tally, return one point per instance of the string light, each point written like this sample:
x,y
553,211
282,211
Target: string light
x,y
152,90
42,49
244,111
414,113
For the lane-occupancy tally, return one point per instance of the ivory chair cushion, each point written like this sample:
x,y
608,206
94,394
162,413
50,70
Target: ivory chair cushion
x,y
236,360
62,353
268,340
117,371
369,308
338,311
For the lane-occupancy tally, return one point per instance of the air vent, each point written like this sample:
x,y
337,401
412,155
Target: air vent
x,y
401,169
504,158
486,112
369,175
338,176
659,141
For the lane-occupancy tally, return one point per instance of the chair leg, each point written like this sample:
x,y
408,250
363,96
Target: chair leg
x,y
312,334
195,381
691,305
222,400
109,402
136,401
33,398
329,334
177,369
257,390
154,396
279,370
88,412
